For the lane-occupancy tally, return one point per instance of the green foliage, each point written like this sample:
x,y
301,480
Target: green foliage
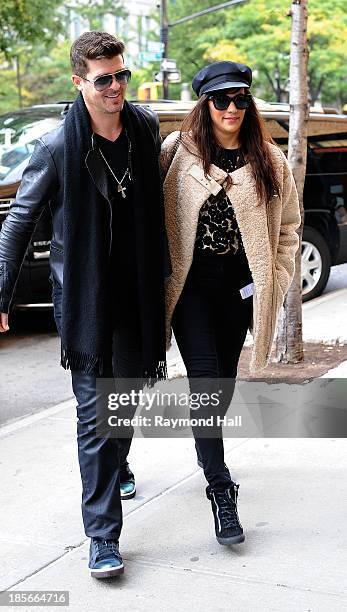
x,y
28,21
258,32
183,45
8,91
187,41
29,38
47,76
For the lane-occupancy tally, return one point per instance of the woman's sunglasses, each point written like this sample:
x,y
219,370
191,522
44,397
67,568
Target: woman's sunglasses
x,y
105,81
221,101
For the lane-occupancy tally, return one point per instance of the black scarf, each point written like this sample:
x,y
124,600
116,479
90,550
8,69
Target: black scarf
x,y
86,333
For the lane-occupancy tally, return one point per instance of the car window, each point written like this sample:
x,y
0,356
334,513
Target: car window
x,y
17,141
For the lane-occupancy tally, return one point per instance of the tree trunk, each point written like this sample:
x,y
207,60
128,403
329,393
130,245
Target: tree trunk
x,y
289,345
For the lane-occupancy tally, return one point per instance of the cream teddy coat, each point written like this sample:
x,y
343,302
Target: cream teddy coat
x,y
268,232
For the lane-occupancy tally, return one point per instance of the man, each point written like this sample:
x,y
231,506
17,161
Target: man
x,y
99,174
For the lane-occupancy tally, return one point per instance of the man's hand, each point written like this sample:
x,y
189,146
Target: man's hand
x,y
3,322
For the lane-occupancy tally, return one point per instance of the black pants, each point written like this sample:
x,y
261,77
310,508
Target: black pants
x,y
210,324
100,458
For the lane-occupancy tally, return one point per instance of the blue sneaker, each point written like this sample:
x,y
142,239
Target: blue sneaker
x,y
127,482
104,558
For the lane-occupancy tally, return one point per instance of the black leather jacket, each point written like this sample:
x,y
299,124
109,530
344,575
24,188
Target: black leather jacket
x,y
42,185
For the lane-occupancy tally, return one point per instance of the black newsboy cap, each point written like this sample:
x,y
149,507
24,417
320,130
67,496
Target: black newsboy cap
x,y
221,75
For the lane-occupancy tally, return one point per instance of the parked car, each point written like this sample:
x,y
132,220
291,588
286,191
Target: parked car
x,y
325,193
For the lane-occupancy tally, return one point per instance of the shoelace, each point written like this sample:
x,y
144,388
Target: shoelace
x,y
227,510
104,547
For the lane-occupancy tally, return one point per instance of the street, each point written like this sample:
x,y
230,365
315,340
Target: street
x,y
337,279
295,551
31,378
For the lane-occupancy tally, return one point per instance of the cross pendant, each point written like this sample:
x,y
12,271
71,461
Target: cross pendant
x,y
121,189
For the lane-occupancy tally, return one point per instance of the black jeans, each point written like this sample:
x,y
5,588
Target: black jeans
x,y
100,458
210,324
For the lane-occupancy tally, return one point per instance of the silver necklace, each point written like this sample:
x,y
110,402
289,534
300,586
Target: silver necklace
x,y
120,188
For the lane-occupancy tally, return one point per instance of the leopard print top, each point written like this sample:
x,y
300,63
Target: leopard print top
x,y
218,231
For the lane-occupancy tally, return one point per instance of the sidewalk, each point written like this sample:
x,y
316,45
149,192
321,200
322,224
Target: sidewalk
x,y
323,319
292,502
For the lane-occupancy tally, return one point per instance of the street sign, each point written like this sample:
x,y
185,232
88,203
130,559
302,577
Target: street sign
x,y
150,56
173,77
155,46
168,65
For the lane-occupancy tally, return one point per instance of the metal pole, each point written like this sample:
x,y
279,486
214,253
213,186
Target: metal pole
x,y
164,36
165,25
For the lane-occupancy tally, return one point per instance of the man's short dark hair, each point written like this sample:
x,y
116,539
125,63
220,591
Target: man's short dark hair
x,y
93,45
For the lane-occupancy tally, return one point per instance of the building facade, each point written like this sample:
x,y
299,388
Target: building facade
x,y
136,24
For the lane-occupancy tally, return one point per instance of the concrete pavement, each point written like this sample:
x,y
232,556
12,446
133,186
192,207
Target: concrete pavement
x,y
292,503
293,497
323,319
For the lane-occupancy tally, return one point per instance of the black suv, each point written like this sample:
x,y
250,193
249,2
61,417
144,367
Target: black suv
x,y
325,194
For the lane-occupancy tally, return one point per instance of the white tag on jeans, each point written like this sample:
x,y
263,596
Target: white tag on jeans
x,y
247,291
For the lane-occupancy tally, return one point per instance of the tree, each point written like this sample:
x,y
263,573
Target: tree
x,y
186,41
289,338
47,75
29,42
258,33
25,21
8,91
327,43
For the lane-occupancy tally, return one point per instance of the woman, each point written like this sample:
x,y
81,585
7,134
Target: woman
x,y
231,212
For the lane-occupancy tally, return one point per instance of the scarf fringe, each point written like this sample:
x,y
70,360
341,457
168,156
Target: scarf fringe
x,y
85,362
93,364
160,373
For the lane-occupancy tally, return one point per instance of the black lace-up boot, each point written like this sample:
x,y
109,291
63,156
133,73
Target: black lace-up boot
x,y
224,507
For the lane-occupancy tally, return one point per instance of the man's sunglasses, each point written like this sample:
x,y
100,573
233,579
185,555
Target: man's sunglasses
x,y
221,101
105,81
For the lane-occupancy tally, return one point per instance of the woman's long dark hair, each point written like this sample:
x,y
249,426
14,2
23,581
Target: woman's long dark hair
x,y
253,142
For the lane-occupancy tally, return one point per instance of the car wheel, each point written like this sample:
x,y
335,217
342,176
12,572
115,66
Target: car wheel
x,y
315,264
